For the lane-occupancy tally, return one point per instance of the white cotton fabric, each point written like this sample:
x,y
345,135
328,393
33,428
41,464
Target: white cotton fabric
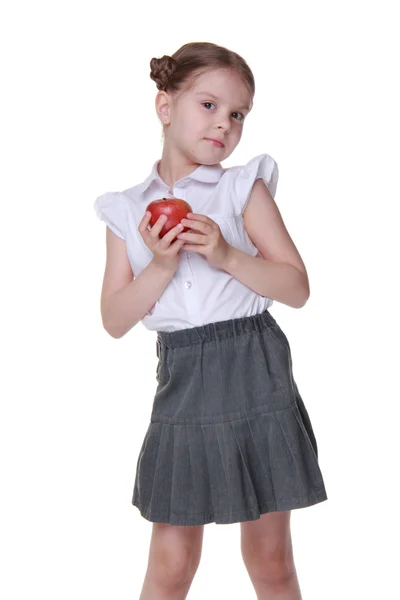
x,y
197,293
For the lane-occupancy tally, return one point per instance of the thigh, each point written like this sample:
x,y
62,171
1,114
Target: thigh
x,y
268,537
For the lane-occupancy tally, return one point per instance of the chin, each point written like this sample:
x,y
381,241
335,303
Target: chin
x,y
215,158
209,158
210,162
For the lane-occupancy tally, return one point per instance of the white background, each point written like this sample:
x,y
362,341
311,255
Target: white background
x,y
77,120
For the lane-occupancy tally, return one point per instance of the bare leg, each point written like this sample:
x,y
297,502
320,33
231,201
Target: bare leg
x,y
174,557
268,556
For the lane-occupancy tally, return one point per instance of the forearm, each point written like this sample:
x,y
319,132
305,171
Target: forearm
x,y
126,307
279,281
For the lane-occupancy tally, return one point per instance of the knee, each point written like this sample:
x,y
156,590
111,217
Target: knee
x,y
276,574
273,568
172,570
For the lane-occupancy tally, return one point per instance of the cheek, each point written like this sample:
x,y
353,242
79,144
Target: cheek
x,y
199,119
238,133
188,124
193,129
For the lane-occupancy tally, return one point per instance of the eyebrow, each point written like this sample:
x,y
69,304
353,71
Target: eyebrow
x,y
210,95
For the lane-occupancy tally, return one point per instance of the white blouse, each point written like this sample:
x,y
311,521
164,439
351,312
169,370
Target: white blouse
x,y
197,293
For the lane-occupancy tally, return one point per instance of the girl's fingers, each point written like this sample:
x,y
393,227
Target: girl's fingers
x,y
198,238
158,225
172,233
144,222
196,225
177,245
194,248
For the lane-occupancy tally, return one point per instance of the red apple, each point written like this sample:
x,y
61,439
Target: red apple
x,y
174,208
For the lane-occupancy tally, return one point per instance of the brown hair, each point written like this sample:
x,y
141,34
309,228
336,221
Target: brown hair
x,y
191,60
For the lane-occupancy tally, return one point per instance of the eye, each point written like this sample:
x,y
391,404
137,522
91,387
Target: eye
x,y
204,103
241,117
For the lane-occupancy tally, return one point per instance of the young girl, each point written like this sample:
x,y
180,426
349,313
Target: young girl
x,y
229,438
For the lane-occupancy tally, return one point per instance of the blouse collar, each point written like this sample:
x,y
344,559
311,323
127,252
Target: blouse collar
x,y
204,173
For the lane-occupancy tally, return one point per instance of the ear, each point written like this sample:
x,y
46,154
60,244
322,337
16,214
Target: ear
x,y
163,104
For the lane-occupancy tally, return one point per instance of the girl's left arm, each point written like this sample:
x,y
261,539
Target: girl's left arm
x,y
280,274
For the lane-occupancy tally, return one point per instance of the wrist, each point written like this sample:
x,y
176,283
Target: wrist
x,y
162,268
230,258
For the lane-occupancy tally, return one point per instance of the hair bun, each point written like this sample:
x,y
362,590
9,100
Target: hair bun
x,y
161,70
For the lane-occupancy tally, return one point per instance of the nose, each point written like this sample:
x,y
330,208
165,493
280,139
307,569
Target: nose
x,y
224,123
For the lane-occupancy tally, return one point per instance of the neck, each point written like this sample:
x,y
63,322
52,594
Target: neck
x,y
172,169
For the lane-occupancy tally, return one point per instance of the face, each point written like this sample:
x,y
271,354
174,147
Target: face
x,y
213,108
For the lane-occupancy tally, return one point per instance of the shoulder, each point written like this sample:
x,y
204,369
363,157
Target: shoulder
x,y
134,193
110,207
106,199
262,166
118,200
244,176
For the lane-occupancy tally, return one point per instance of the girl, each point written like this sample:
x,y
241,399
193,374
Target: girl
x,y
229,438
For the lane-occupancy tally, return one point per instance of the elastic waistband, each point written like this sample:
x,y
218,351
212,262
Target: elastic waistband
x,y
215,331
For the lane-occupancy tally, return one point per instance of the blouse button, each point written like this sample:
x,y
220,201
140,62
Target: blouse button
x,y
188,284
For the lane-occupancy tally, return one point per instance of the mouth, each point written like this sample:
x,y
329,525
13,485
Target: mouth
x,y
216,143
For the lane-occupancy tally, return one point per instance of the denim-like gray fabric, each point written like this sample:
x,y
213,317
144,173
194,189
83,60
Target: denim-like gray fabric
x,y
229,436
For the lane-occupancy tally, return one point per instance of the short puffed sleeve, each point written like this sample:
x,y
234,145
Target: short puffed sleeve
x,y
261,167
111,208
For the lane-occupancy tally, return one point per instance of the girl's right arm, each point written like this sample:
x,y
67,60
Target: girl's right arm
x,y
125,300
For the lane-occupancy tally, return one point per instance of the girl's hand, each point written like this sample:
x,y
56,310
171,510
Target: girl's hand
x,y
165,252
209,241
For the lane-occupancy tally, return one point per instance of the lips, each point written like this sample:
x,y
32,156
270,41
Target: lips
x,y
217,143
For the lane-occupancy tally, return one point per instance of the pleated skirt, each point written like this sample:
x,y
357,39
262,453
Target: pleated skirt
x,y
229,436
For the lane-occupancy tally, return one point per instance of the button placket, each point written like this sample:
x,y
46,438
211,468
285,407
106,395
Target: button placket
x,y
189,292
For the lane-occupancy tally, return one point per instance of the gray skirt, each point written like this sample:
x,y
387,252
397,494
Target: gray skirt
x,y
229,436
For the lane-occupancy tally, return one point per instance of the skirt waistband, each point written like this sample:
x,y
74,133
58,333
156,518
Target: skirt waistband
x,y
215,331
